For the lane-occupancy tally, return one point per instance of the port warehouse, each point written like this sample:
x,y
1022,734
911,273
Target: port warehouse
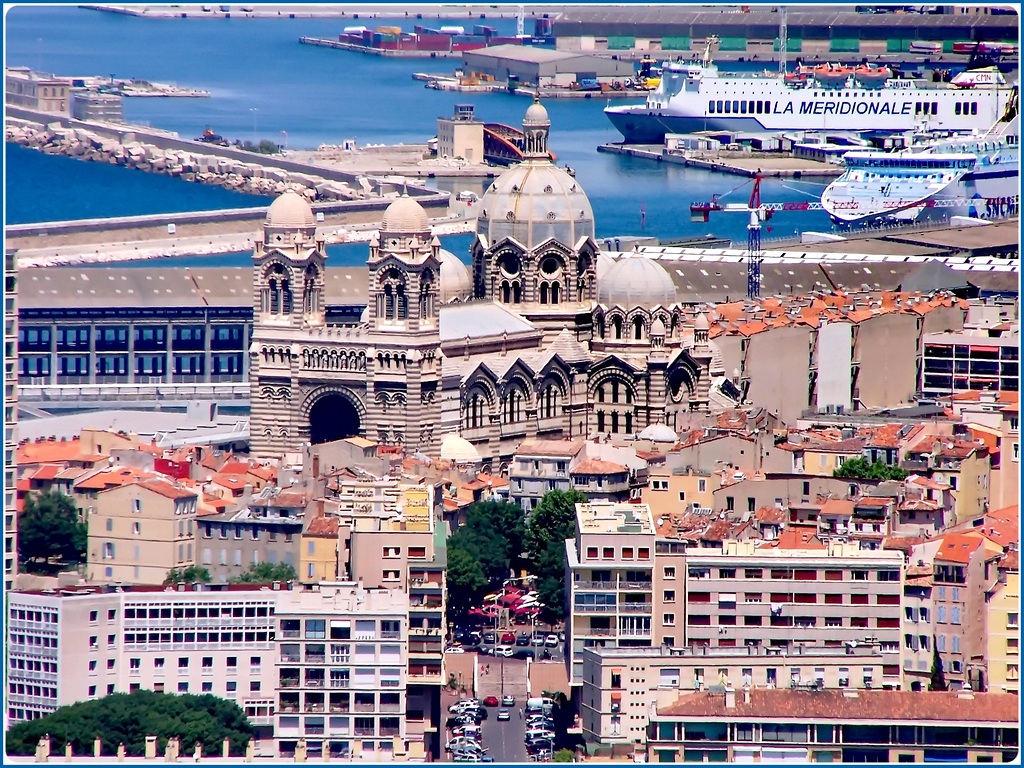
x,y
542,66
808,32
79,326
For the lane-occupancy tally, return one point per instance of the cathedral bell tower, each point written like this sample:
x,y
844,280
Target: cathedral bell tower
x,y
405,271
288,267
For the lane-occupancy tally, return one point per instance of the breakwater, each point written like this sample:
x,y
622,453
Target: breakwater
x,y
249,177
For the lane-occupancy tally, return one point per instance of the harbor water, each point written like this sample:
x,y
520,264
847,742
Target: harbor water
x,y
264,84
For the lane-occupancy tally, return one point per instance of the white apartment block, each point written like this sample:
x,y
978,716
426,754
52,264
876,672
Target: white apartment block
x,y
622,685
264,648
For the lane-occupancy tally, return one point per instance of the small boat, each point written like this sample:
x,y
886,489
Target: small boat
x,y
872,74
832,74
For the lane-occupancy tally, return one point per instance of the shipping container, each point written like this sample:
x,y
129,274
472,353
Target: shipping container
x,y
354,30
453,30
390,30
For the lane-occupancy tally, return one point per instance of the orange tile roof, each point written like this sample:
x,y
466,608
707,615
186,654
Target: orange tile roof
x,y
845,705
323,526
230,481
54,451
165,488
837,507
957,548
597,467
47,472
799,537
110,477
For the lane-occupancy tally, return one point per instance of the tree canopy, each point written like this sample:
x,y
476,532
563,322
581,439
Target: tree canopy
x,y
466,581
50,532
552,522
937,681
188,575
863,469
483,551
266,573
130,718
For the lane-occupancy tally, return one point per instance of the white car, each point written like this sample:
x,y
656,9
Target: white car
x,y
504,650
551,641
455,649
504,714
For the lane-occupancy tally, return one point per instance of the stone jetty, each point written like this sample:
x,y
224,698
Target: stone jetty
x,y
252,178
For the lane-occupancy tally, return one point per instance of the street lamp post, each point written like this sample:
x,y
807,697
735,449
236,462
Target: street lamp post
x,y
254,111
285,139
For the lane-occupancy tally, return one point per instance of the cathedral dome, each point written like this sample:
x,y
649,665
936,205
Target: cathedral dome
x,y
659,433
458,449
604,263
535,200
456,282
290,211
405,215
636,282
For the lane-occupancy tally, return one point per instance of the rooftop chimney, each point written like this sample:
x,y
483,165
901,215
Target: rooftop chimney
x,y
730,697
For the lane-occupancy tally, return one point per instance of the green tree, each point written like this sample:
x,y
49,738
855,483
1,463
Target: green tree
x,y
863,469
50,532
938,677
563,756
265,573
130,717
493,535
466,581
552,522
554,519
188,575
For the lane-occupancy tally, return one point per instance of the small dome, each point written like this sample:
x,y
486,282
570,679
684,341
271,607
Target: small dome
x,y
604,263
636,282
701,323
657,327
456,281
536,115
659,433
405,215
459,449
290,211
364,316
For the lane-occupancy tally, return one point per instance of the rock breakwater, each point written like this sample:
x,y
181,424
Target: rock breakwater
x,y
250,178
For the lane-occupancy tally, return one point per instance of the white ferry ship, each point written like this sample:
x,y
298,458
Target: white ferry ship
x,y
976,176
697,97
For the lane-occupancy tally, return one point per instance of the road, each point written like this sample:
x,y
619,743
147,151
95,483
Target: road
x,y
505,740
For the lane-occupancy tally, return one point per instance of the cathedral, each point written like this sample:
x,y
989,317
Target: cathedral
x,y
545,338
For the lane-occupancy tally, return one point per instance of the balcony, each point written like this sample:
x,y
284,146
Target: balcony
x,y
586,608
291,633
364,730
314,730
623,584
315,658
291,658
391,730
599,632
606,586
364,707
289,682
635,608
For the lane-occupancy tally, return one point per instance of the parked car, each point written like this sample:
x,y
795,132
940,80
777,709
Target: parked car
x,y
504,650
509,638
551,641
454,649
523,640
524,653
489,638
491,701
561,637
503,714
538,638
508,700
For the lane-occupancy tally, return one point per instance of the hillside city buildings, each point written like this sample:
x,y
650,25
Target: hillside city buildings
x,y
729,593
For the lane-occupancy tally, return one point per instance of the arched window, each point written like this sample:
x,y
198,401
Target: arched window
x,y
600,394
389,302
638,328
403,303
600,326
629,423
426,304
516,292
615,391
617,327
506,292
600,421
543,293
629,394
554,293
615,421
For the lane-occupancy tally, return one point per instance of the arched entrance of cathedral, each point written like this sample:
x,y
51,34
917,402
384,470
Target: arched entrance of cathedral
x,y
332,417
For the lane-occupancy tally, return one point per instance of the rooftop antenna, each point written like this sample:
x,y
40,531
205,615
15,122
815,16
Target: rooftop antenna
x,y
521,21
783,40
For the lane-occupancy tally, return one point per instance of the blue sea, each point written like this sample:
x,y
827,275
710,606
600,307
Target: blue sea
x,y
265,84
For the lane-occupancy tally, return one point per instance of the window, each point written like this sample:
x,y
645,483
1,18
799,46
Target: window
x,y
93,616
182,687
669,596
254,686
670,620
232,686
183,662
670,572
727,573
592,552
608,553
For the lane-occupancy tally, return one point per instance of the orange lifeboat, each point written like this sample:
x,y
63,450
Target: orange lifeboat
x,y
870,74
832,74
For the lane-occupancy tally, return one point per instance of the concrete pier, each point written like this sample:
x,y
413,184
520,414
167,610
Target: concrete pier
x,y
768,165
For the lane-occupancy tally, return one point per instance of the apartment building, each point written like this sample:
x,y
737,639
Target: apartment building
x,y
36,90
228,543
918,626
82,644
10,417
540,466
670,490
140,531
340,674
951,460
792,726
1003,613
974,359
318,554
964,565
622,685
794,592
408,552
609,580
325,665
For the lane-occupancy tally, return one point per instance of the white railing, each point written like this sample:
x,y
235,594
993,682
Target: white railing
x,y
163,391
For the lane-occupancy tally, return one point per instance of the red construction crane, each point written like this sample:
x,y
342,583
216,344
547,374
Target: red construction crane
x,y
759,213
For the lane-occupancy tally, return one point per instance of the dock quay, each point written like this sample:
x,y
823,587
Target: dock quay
x,y
767,165
327,42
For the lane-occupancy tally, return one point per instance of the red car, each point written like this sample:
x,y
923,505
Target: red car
x,y
491,701
509,638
